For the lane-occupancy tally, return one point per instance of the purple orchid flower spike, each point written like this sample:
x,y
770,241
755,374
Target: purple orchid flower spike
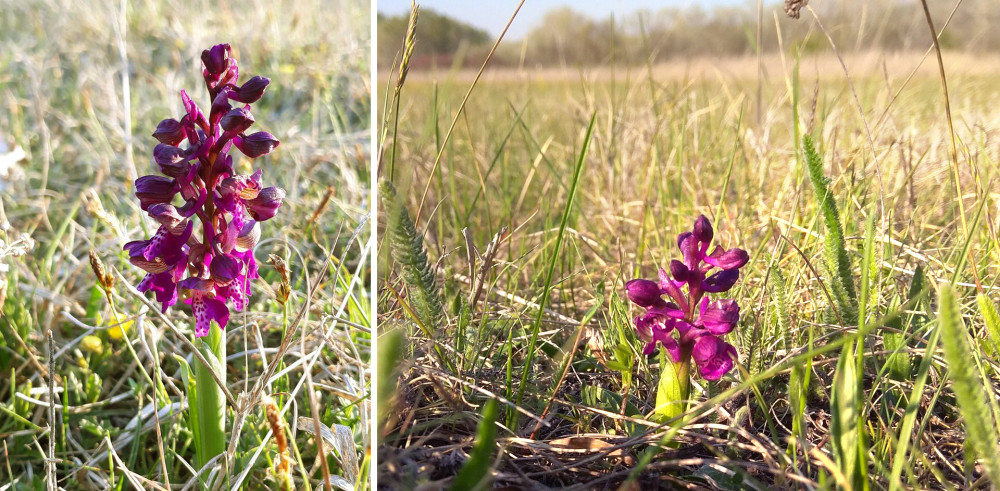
x,y
213,267
689,324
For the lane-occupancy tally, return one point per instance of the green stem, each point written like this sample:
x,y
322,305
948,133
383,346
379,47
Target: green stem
x,y
211,401
674,388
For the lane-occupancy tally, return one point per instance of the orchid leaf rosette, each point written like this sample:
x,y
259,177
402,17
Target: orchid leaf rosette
x,y
685,320
209,216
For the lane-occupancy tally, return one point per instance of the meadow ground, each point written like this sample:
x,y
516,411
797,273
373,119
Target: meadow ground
x,y
830,390
83,85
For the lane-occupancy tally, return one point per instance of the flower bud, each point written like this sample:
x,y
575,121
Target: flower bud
x,y
644,293
169,131
225,269
257,144
216,58
679,271
237,120
172,160
721,281
266,204
703,230
154,189
251,90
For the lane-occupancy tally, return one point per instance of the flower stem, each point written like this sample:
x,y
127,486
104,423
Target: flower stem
x,y
211,402
673,390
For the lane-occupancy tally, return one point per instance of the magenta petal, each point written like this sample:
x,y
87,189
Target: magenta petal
x,y
162,284
206,310
155,189
720,316
649,349
713,356
234,291
690,249
672,348
644,293
721,281
731,259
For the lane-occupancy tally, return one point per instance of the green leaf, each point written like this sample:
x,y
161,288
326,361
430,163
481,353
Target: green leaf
x,y
845,430
390,349
673,390
475,474
407,248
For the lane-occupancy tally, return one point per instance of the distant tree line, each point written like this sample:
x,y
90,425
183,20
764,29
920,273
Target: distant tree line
x,y
565,37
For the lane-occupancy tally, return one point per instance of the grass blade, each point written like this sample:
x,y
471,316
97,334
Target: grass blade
x,y
554,258
476,471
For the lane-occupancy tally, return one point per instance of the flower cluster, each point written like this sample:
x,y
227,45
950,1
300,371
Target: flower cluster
x,y
698,321
214,267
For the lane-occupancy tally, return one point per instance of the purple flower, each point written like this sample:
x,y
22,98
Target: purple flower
x,y
169,132
257,144
688,323
252,90
214,267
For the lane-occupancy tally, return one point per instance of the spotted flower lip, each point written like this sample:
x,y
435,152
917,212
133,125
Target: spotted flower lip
x,y
213,268
687,323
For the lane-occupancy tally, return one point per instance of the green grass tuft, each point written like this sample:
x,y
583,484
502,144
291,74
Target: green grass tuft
x,y
838,264
967,382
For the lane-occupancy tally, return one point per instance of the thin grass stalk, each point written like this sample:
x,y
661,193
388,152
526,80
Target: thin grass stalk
x,y
546,289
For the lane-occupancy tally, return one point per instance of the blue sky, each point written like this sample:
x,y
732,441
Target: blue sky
x,y
492,15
